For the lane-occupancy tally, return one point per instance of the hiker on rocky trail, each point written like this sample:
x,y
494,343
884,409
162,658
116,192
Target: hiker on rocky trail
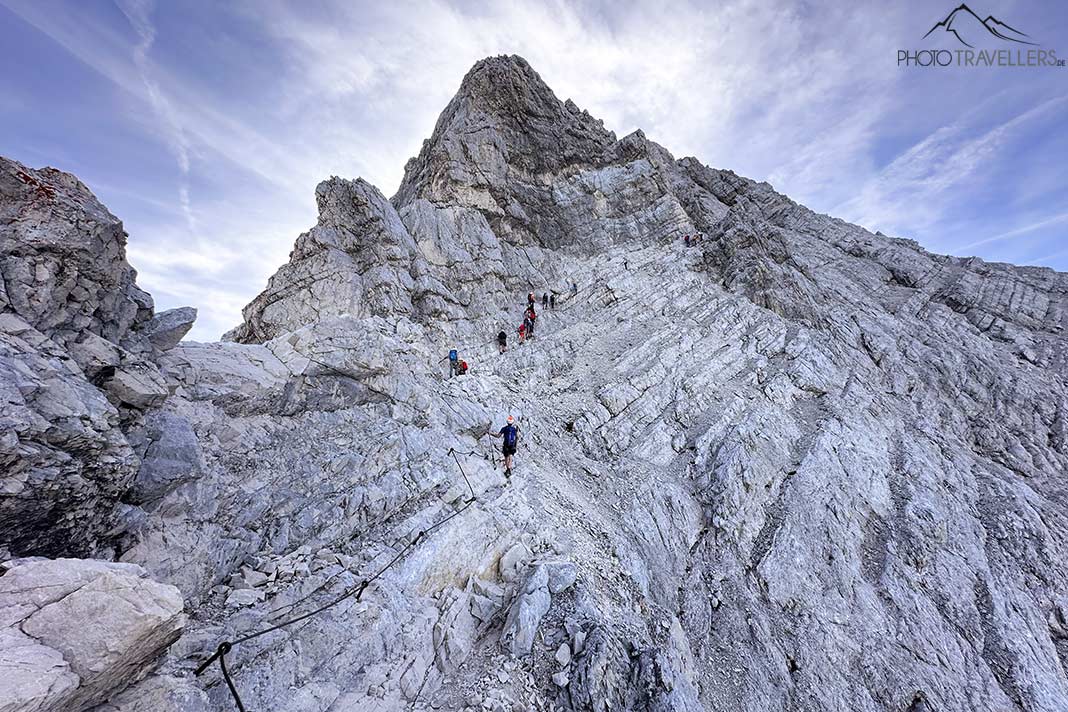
x,y
502,342
523,331
574,289
510,433
552,300
687,240
545,300
461,368
454,362
531,317
530,300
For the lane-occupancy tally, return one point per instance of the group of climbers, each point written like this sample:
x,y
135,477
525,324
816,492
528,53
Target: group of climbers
x,y
457,366
693,239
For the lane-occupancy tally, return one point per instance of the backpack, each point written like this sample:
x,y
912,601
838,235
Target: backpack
x,y
511,434
453,355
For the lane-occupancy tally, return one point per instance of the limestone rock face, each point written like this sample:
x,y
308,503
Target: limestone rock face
x,y
76,366
504,126
794,466
512,180
359,260
62,257
63,456
74,632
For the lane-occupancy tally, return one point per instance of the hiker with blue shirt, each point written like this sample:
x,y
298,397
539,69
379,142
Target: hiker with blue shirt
x,y
510,433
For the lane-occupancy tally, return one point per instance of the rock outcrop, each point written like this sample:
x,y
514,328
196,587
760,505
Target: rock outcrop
x,y
73,633
76,363
166,329
795,466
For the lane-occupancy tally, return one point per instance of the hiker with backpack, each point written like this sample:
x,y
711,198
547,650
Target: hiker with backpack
x,y
523,331
454,363
529,319
545,300
510,433
502,342
552,300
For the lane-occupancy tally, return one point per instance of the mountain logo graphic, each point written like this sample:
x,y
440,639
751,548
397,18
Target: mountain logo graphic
x,y
970,29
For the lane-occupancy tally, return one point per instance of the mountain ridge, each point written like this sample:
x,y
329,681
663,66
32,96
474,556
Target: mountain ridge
x,y
792,463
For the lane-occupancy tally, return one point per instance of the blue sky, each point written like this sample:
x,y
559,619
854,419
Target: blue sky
x,y
205,126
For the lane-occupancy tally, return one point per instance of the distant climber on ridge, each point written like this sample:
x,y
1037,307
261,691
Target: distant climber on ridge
x,y
510,433
502,342
529,318
545,300
530,300
552,301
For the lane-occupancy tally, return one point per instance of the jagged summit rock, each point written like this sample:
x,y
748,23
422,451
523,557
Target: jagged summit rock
x,y
511,178
64,258
358,260
503,124
796,465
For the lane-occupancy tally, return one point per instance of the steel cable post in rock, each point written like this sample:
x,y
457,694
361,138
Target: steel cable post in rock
x,y
454,457
356,591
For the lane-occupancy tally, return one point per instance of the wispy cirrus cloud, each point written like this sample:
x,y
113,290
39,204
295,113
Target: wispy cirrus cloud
x,y
1059,219
917,188
138,12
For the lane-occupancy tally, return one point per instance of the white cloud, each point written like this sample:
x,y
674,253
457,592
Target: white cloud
x,y
138,12
912,191
1016,232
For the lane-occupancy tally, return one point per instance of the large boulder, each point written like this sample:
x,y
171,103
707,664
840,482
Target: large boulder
x,y
74,632
166,329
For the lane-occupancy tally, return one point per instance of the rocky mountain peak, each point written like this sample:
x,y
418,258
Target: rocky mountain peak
x,y
503,123
506,83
